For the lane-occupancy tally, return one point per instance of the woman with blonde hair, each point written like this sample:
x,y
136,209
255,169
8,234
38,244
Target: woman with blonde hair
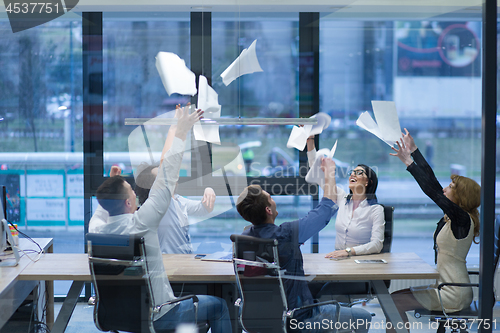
x,y
453,237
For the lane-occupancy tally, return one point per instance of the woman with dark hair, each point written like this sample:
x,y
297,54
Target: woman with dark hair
x,y
360,220
453,237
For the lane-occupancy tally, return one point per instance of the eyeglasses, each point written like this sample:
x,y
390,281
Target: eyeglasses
x,y
357,172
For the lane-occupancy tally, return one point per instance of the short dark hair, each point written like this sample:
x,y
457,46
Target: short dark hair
x,y
144,181
252,204
112,194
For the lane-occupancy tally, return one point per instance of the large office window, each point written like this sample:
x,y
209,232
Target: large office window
x,y
272,93
41,160
132,85
431,70
40,128
428,64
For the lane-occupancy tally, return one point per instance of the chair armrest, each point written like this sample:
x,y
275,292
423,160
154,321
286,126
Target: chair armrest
x,y
290,313
174,301
440,286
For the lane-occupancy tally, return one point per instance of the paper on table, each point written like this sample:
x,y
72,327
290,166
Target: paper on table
x,y
174,74
246,63
387,124
315,175
208,101
298,137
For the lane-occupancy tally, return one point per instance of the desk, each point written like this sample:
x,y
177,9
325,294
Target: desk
x,y
184,268
13,292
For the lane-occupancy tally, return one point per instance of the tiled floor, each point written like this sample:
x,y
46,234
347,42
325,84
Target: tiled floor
x,y
82,322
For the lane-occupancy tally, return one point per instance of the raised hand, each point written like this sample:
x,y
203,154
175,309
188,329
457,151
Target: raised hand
x,y
403,153
409,142
186,121
208,199
115,171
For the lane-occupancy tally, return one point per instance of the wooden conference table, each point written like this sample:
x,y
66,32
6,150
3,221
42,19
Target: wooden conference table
x,y
13,291
184,268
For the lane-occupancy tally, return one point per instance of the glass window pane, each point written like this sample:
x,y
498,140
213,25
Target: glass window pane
x,y
271,93
132,85
41,130
431,70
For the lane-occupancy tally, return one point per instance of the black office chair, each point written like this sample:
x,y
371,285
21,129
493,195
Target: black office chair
x,y
124,298
262,303
388,228
456,319
361,292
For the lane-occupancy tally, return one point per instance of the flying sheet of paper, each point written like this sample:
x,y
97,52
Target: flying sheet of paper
x,y
208,101
323,122
387,124
175,76
387,119
208,133
246,63
298,136
315,175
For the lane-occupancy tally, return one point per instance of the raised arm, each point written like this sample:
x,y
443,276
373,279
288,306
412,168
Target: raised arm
x,y
311,150
171,132
330,189
423,174
203,206
158,201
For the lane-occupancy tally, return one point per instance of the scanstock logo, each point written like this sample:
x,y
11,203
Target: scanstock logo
x,y
24,15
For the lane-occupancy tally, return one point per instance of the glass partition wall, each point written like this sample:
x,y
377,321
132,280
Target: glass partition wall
x,y
314,58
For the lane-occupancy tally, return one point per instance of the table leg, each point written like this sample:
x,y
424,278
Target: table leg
x,y
68,306
387,304
49,289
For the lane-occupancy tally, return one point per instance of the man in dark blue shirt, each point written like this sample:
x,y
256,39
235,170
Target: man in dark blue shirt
x,y
256,206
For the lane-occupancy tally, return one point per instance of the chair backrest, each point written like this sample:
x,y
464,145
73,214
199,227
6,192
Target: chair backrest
x,y
123,291
258,276
389,227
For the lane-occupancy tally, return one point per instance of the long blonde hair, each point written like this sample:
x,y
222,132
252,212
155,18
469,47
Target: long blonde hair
x,y
467,195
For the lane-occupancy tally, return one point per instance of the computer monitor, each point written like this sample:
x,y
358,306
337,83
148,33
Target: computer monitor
x,y
3,202
6,240
3,216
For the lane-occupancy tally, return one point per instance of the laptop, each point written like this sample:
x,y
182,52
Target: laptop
x,y
219,256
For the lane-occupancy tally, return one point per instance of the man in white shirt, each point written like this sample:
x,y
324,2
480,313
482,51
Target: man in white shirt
x,y
116,196
173,231
101,216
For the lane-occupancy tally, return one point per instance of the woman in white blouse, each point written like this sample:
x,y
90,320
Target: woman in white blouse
x,y
360,221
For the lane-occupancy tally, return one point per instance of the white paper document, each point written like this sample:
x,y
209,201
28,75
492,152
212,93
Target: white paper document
x,y
387,127
174,74
298,136
323,122
246,63
315,175
208,101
